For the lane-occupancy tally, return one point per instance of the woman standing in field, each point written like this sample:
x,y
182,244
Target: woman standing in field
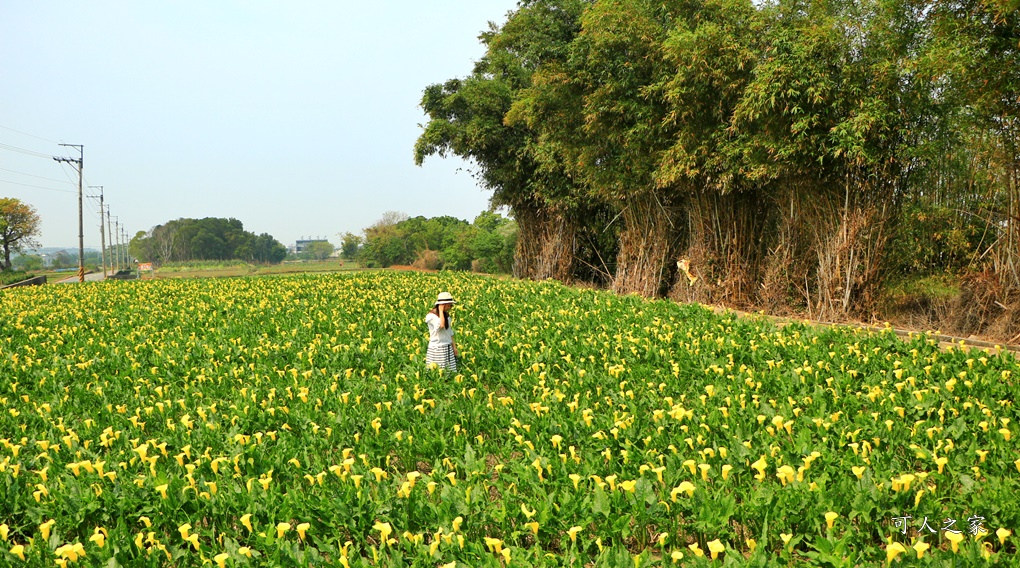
x,y
442,352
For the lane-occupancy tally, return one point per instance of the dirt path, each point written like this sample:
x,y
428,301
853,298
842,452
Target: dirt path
x,y
945,341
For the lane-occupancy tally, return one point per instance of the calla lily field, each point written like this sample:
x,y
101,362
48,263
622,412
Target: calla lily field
x,y
291,421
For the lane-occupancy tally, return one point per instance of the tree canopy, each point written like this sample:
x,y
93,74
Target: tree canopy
x,y
210,238
788,152
486,245
320,250
19,226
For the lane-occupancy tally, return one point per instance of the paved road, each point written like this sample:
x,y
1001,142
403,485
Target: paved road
x,y
90,277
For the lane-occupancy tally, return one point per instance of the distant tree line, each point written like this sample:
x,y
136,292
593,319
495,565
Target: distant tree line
x,y
784,152
486,245
58,260
317,250
210,238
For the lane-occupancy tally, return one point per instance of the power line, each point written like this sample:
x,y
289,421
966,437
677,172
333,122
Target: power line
x,y
36,186
109,234
35,176
24,151
102,230
65,172
81,226
27,134
88,207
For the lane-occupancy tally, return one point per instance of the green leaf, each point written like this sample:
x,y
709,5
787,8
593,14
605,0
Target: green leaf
x,y
600,502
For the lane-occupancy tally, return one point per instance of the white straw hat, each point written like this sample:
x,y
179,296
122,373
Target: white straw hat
x,y
445,298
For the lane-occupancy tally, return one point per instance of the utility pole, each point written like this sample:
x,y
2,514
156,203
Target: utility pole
x,y
116,222
81,223
109,233
102,231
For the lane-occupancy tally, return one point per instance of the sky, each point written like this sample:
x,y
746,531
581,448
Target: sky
x,y
296,117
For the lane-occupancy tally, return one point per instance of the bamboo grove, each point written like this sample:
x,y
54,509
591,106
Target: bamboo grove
x,y
787,153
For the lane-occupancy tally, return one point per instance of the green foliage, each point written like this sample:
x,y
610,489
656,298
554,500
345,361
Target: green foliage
x,y
63,259
485,246
932,287
12,276
614,60
933,239
712,57
976,49
27,262
19,226
198,421
840,127
189,265
350,245
319,250
494,243
513,154
210,238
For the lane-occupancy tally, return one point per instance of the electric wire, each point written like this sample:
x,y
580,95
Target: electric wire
x,y
37,187
89,204
12,148
71,180
32,175
24,151
28,135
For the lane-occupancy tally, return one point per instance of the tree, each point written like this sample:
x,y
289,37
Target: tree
x,y
976,57
468,117
443,242
384,241
264,248
350,244
459,254
493,242
163,242
28,262
794,152
63,259
829,122
205,239
392,218
207,245
596,110
141,247
320,250
19,225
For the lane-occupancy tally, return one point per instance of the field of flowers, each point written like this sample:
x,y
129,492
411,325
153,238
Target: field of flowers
x,y
288,421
